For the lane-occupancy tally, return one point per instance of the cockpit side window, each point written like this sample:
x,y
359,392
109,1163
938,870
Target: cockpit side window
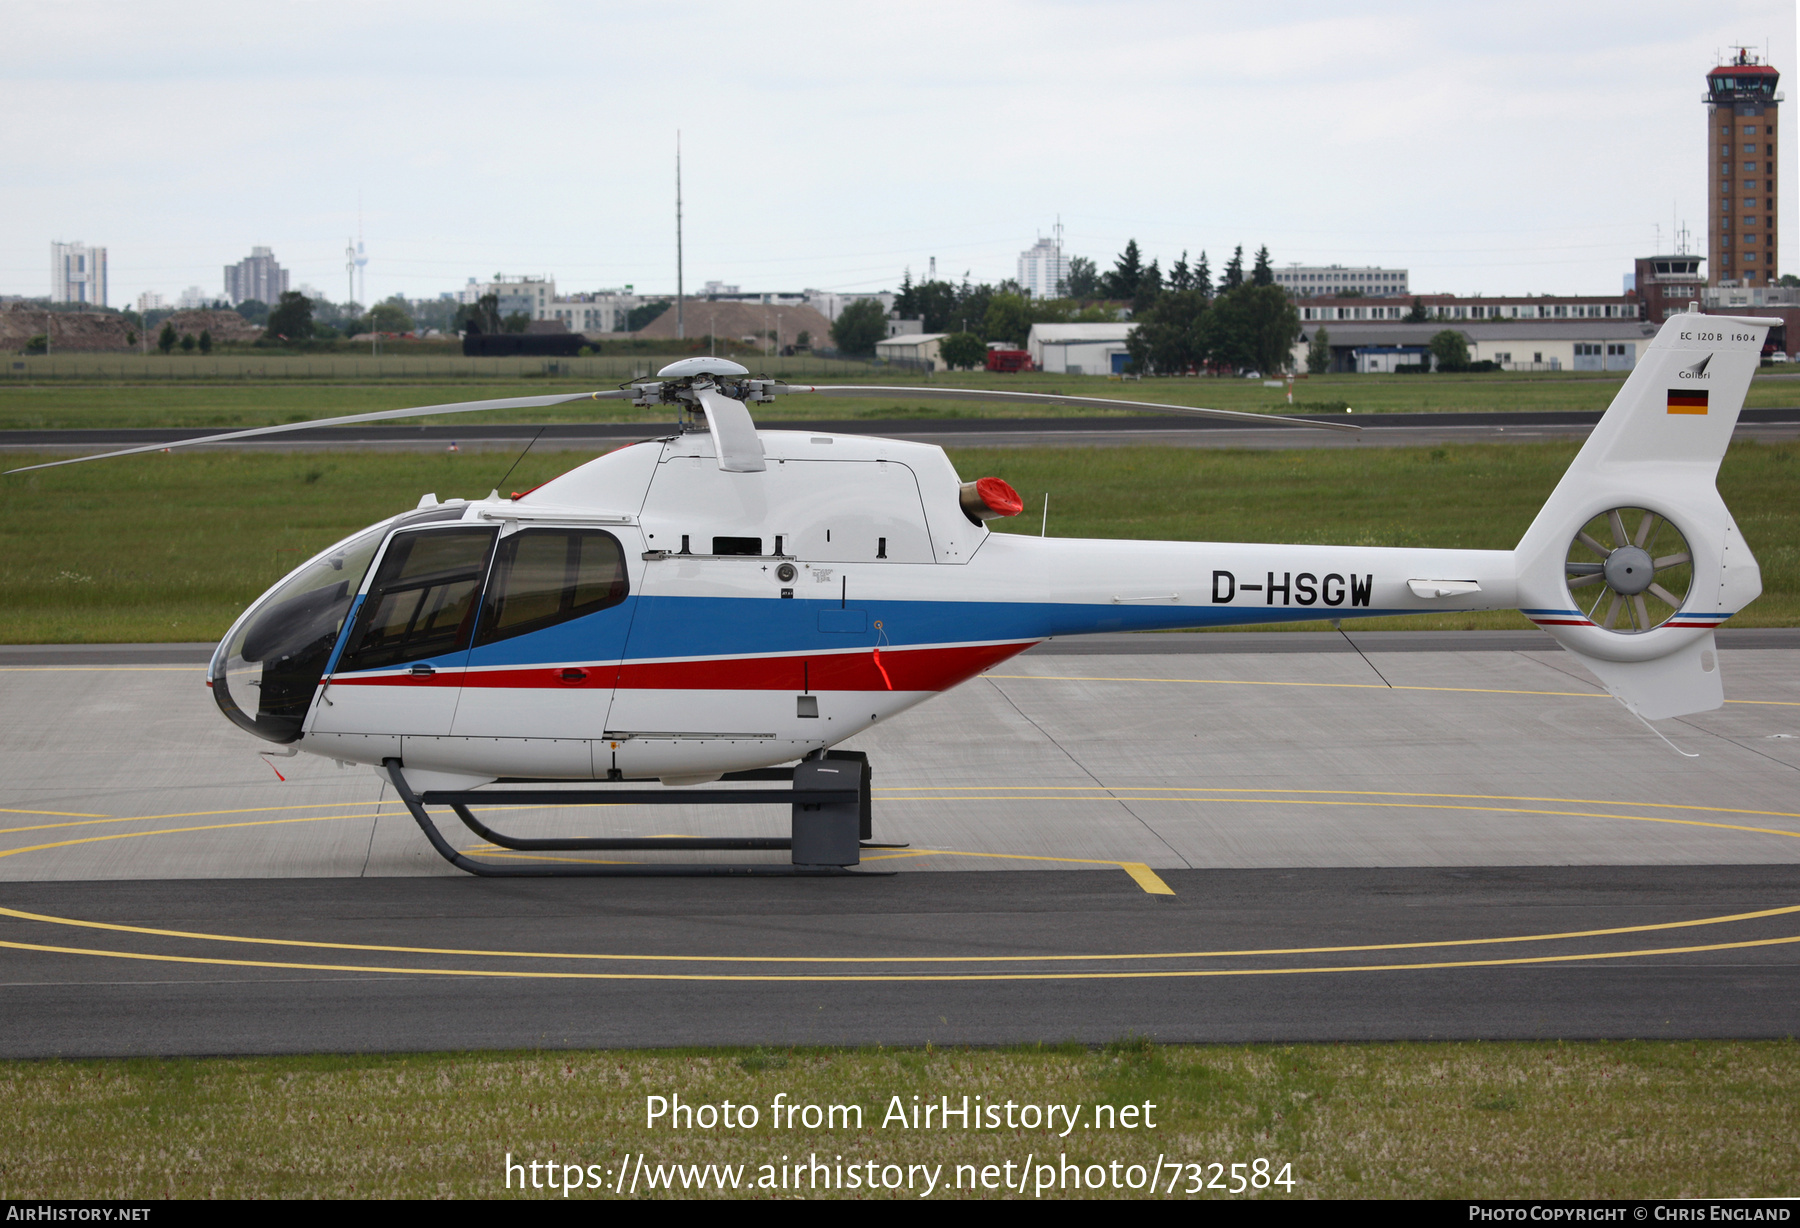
x,y
542,577
422,601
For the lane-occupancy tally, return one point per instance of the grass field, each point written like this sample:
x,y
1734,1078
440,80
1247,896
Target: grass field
x,y
226,402
171,547
1496,1120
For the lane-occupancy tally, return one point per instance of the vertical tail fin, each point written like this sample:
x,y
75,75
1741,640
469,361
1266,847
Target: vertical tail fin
x,y
1635,559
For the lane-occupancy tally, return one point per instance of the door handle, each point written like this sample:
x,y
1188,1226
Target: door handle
x,y
422,670
572,677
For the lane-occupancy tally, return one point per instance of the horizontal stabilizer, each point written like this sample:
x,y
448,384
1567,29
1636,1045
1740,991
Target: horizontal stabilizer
x,y
1684,682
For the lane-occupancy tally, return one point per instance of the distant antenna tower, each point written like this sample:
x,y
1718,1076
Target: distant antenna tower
x,y
680,296
1058,273
350,270
362,260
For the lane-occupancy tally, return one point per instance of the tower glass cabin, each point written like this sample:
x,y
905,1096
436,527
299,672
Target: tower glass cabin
x,y
1742,233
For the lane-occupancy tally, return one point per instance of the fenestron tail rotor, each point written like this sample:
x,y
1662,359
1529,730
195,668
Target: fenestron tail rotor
x,y
1629,570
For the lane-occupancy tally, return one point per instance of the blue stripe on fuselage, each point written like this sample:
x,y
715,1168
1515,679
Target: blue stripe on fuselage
x,y
675,627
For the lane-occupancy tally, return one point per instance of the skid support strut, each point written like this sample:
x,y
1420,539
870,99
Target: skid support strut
x,y
831,823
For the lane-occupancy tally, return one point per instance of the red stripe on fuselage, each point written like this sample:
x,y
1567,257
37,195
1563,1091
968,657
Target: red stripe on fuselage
x,y
900,669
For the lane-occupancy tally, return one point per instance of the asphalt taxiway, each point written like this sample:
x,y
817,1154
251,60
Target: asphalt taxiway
x,y
1256,836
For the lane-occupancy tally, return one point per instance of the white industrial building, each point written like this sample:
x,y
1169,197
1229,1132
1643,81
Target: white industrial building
x,y
530,295
604,311
920,349
78,274
1594,345
1303,280
1079,349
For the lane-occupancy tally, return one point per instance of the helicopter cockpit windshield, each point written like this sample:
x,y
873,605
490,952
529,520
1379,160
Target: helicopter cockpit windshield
x,y
277,651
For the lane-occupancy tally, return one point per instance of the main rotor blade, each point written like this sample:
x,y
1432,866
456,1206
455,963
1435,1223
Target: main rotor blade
x,y
421,411
734,435
1052,398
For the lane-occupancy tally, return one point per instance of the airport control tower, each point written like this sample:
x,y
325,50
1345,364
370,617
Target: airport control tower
x,y
1741,104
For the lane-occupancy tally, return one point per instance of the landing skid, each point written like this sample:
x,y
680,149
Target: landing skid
x,y
831,823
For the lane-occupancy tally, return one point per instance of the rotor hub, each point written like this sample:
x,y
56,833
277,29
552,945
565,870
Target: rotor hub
x,y
1630,570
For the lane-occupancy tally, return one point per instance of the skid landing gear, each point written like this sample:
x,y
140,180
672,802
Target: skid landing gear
x,y
829,795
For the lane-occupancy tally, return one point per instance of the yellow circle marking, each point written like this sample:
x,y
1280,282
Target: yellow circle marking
x,y
309,944
1171,974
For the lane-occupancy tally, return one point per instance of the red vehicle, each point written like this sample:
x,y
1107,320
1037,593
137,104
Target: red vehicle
x,y
1008,360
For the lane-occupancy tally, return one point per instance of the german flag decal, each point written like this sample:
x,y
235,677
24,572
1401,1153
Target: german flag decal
x,y
1683,401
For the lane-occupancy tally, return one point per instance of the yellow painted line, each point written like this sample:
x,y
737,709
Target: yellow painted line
x,y
106,669
201,814
1351,686
1462,797
1146,878
1140,873
67,814
1277,801
614,957
1153,974
175,831
157,818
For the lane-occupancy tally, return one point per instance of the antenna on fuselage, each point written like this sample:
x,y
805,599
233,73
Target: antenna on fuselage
x,y
680,296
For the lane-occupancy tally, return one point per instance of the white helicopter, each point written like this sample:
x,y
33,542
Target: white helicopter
x,y
721,601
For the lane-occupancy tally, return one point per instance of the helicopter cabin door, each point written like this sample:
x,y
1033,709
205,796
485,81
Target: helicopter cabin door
x,y
546,652
401,667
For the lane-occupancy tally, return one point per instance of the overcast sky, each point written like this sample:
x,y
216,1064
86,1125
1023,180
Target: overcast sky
x,y
1497,148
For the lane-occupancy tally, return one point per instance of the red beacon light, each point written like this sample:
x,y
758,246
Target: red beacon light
x,y
990,499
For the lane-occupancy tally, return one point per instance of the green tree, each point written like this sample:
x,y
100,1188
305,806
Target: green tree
x,y
517,322
39,344
1263,274
1418,314
963,350
1789,280
254,310
1318,353
1451,349
933,302
1008,318
166,340
1203,276
188,343
292,318
1251,328
642,315
859,326
803,341
1181,277
1167,339
1122,281
206,341
1083,280
1234,271
1149,289
391,316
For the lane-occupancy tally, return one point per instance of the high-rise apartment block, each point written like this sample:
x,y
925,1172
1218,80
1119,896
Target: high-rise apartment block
x,y
1744,200
1044,269
257,276
77,274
